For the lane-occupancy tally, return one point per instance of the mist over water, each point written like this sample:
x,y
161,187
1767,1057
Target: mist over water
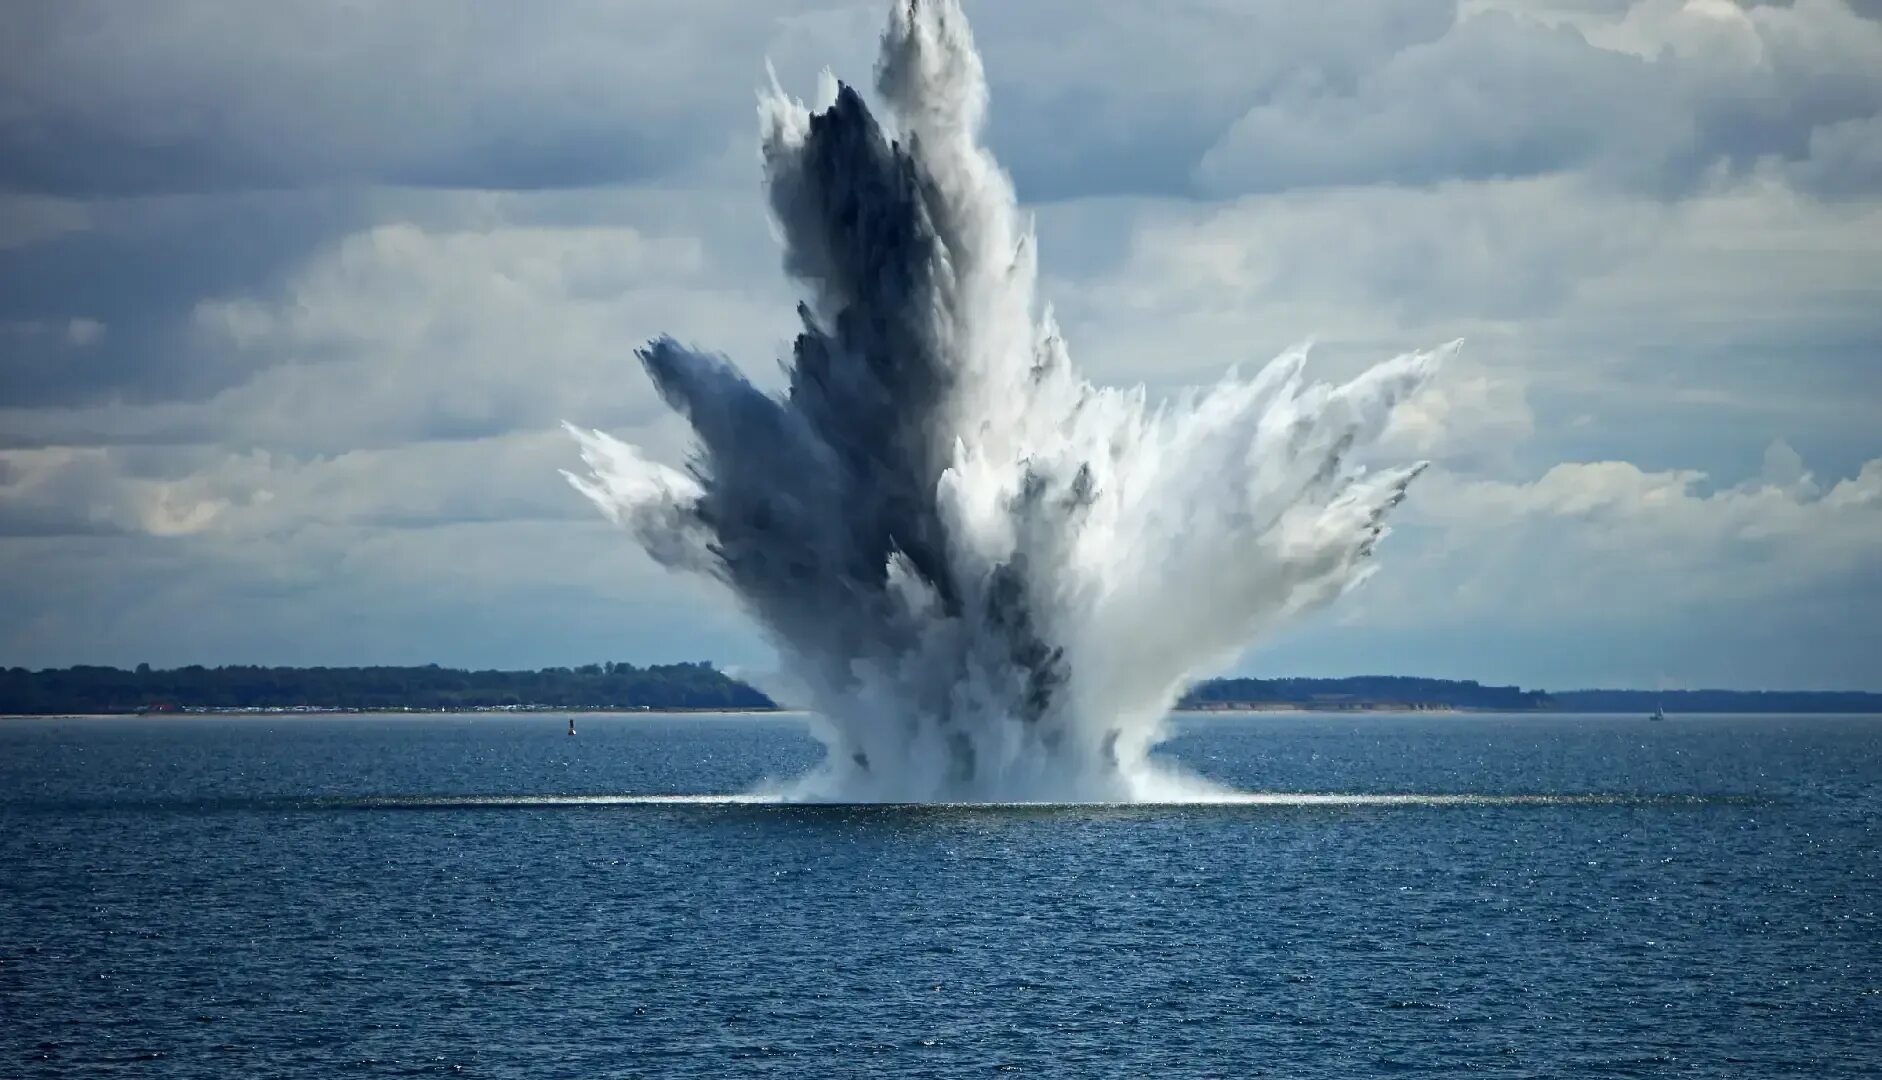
x,y
992,578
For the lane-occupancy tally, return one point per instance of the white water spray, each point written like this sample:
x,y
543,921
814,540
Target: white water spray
x,y
993,578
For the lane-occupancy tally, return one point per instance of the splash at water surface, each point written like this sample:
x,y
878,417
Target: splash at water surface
x,y
992,578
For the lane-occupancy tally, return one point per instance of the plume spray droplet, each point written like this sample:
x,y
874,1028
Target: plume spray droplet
x,y
992,577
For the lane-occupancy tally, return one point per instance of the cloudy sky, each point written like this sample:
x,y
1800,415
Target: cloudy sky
x,y
293,295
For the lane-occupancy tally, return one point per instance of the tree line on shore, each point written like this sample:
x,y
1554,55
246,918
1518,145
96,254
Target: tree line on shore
x,y
430,687
699,685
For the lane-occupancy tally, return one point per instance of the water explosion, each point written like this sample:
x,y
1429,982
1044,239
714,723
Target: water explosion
x,y
993,578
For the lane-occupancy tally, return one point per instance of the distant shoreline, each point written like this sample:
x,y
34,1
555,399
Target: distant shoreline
x,y
699,687
1273,708
261,713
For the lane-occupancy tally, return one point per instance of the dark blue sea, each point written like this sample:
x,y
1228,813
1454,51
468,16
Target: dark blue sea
x,y
395,896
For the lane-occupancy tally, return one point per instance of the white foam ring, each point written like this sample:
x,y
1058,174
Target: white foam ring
x,y
991,577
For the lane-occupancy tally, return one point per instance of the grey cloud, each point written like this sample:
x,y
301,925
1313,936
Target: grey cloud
x,y
1498,96
1843,158
399,333
109,98
1378,269
163,275
1112,99
215,494
84,492
1653,102
138,266
27,220
477,325
100,98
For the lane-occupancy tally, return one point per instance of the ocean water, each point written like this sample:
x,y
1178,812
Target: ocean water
x,y
399,896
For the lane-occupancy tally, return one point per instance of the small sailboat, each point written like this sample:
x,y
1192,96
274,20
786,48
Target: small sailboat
x,y
1659,713
571,725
